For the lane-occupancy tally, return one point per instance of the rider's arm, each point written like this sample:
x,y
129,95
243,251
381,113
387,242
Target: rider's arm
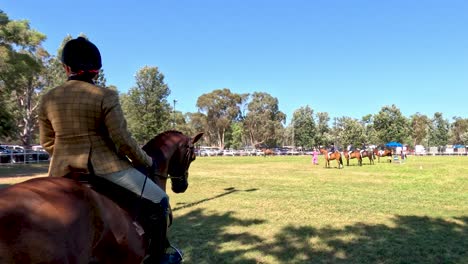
x,y
117,128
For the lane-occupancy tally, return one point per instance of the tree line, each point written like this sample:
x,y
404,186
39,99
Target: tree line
x,y
229,119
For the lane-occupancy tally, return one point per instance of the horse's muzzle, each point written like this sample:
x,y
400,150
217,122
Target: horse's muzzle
x,y
179,184
179,187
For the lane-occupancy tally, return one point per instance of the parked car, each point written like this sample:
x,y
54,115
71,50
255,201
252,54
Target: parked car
x,y
17,154
5,155
292,152
229,152
210,151
243,152
279,151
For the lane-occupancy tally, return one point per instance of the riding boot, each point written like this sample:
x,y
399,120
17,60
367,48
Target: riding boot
x,y
155,223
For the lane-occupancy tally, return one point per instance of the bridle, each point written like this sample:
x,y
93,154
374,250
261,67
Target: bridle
x,y
188,157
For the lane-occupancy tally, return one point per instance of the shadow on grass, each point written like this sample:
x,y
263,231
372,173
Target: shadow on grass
x,y
228,191
410,239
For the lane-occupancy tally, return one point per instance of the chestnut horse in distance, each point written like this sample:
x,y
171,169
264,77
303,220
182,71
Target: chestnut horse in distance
x,y
383,153
333,156
355,154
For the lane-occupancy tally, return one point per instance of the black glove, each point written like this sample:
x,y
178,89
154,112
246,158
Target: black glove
x,y
149,171
153,170
142,169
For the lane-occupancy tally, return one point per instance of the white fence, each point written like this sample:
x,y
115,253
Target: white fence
x,y
447,151
26,156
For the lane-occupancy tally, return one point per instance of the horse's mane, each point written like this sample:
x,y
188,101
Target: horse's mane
x,y
163,134
151,148
172,131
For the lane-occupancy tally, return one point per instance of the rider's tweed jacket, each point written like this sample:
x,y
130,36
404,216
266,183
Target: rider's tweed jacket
x,y
83,125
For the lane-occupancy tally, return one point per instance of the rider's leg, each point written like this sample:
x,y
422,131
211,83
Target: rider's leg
x,y
153,214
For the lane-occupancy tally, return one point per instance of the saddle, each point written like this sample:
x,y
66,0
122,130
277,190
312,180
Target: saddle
x,y
128,201
134,205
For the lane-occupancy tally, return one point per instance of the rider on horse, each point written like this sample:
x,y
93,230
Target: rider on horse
x,y
83,127
331,150
364,148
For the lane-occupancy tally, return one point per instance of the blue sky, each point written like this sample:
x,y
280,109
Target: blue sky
x,y
344,57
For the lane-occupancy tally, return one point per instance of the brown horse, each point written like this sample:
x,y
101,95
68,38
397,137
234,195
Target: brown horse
x,y
383,153
333,156
59,220
369,155
268,152
355,154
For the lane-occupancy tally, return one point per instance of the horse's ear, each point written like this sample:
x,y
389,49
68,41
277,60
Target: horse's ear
x,y
197,137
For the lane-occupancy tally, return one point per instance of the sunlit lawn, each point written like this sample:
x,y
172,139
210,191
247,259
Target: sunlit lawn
x,y
286,210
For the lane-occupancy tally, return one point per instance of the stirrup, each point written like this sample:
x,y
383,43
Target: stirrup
x,y
173,258
178,251
168,258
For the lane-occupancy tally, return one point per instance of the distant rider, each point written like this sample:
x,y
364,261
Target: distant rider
x,y
364,147
332,149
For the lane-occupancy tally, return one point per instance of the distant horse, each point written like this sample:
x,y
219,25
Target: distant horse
x,y
60,220
268,152
333,156
355,154
369,155
382,153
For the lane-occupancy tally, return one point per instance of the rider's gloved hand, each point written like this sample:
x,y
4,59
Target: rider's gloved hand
x,y
149,171
153,170
142,169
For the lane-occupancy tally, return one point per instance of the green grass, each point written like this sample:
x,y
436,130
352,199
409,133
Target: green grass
x,y
286,210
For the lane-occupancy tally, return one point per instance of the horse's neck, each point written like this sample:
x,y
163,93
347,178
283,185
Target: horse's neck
x,y
164,154
162,184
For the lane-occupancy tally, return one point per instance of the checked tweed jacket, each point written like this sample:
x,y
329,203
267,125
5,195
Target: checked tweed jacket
x,y
82,125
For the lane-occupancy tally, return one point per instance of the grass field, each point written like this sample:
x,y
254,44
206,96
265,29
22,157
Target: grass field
x,y
285,210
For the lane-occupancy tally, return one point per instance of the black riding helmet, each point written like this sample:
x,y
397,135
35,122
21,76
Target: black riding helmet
x,y
81,54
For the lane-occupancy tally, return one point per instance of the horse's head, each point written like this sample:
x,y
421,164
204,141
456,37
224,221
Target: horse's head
x,y
173,152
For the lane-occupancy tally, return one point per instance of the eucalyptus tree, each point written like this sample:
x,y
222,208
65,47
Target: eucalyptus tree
x,y
146,108
22,65
304,128
371,136
221,108
198,122
236,140
55,73
179,122
419,128
352,132
263,121
439,130
323,135
7,120
459,131
391,125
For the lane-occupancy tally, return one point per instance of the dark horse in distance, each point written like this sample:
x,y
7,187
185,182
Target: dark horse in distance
x,y
60,220
368,154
